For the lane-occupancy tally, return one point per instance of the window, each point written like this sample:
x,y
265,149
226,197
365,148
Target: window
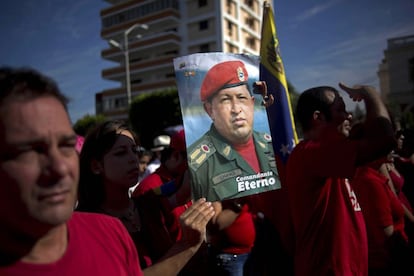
x,y
249,3
250,21
230,28
228,4
204,48
251,42
136,81
203,25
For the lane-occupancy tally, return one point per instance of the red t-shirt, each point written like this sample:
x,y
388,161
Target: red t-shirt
x,y
246,152
238,238
98,245
398,181
154,180
381,208
162,222
328,223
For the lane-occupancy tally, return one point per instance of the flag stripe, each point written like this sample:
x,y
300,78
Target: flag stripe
x,y
280,115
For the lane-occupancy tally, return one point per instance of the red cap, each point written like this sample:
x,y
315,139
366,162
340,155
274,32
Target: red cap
x,y
178,141
223,75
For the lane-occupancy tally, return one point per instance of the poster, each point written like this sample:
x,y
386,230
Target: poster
x,y
229,146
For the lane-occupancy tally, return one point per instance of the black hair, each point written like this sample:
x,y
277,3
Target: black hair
x,y
98,142
311,100
26,84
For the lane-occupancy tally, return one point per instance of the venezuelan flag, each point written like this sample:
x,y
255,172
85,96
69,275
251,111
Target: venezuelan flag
x,y
280,115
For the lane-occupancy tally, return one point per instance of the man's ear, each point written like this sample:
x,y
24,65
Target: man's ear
x,y
96,167
208,108
317,115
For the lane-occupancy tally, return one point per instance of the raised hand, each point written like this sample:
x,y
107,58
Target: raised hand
x,y
358,92
194,221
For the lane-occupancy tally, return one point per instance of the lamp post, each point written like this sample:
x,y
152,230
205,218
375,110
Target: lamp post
x,y
125,49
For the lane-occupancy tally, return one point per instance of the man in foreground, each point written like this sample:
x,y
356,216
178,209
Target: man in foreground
x,y
39,171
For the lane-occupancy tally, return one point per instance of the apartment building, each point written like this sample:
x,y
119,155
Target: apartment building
x,y
396,75
175,28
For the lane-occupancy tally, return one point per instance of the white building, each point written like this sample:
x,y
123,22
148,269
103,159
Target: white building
x,y
396,74
175,28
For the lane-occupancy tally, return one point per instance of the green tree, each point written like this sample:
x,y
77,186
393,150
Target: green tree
x,y
83,125
151,113
294,96
408,120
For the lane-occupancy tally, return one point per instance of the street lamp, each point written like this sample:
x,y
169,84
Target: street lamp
x,y
125,49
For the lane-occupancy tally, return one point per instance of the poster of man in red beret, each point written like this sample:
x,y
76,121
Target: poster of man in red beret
x,y
229,146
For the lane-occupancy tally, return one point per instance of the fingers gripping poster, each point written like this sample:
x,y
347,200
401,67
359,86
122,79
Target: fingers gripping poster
x,y
229,146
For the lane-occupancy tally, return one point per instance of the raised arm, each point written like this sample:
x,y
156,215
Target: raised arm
x,y
378,134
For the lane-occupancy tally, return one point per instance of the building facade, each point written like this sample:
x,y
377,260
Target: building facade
x,y
396,75
175,28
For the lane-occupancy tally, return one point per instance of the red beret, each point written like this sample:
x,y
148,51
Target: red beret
x,y
178,141
223,75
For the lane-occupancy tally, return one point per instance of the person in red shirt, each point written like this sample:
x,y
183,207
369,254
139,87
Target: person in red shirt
x,y
231,236
163,196
108,168
173,165
155,209
39,170
144,157
396,182
384,219
329,228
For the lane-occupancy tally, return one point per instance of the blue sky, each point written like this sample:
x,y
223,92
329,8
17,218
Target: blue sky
x,y
322,42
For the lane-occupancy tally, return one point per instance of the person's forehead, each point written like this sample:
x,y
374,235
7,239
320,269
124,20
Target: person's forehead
x,y
334,99
124,137
38,118
241,89
125,134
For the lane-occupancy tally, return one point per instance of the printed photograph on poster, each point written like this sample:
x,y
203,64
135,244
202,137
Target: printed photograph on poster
x,y
228,140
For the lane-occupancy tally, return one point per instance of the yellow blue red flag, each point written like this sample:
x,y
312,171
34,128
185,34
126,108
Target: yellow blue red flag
x,y
280,115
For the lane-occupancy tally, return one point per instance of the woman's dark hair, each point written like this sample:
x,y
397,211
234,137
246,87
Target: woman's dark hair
x,y
98,142
311,100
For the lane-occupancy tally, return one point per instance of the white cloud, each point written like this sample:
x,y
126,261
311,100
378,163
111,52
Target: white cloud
x,y
315,10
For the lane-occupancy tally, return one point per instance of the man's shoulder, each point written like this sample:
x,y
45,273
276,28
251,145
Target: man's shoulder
x,y
151,181
200,151
86,224
262,136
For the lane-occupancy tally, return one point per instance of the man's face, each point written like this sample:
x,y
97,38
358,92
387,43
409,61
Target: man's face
x,y
346,126
400,142
340,118
39,166
232,112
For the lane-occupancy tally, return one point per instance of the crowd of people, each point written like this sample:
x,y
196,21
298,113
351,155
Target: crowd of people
x,y
78,206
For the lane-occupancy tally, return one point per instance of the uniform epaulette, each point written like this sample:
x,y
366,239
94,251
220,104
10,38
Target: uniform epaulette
x,y
200,152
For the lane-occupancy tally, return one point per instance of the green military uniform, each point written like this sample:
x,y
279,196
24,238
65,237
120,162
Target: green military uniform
x,y
219,172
